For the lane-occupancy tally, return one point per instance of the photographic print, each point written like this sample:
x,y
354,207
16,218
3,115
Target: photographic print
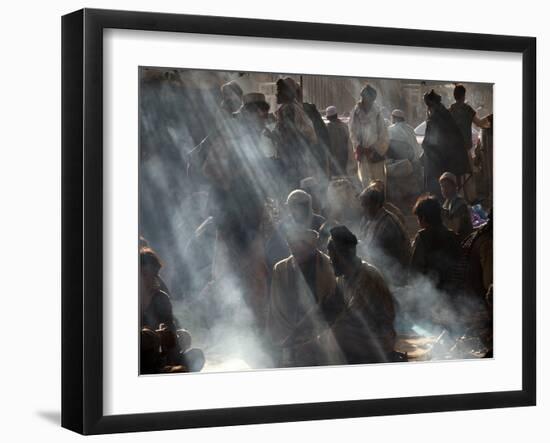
x,y
295,220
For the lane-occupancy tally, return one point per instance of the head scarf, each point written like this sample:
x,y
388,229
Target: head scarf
x,y
432,96
369,92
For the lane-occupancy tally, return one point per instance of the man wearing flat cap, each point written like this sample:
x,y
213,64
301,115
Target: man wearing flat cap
x,y
369,136
364,331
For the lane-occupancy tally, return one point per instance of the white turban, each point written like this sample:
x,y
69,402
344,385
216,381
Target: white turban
x,y
398,113
331,110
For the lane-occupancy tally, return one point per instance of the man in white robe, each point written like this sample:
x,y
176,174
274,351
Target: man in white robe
x,y
369,136
401,133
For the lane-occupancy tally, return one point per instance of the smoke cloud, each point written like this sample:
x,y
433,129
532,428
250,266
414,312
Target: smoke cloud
x,y
179,109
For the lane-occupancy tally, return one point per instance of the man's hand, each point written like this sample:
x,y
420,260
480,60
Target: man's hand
x,y
167,337
359,152
372,155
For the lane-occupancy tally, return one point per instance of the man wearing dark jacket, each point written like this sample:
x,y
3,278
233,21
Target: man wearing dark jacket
x,y
443,145
436,249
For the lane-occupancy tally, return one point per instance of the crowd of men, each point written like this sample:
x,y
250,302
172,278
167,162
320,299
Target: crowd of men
x,y
300,224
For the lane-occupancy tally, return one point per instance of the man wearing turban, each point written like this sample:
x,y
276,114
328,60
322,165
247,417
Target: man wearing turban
x,y
369,136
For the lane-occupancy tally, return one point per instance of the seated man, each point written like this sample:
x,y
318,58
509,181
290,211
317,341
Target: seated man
x,y
403,166
301,285
164,347
163,351
456,212
436,249
389,206
384,240
149,352
300,206
364,330
156,306
403,143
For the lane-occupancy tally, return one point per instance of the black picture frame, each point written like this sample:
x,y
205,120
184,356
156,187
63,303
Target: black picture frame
x,y
82,220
